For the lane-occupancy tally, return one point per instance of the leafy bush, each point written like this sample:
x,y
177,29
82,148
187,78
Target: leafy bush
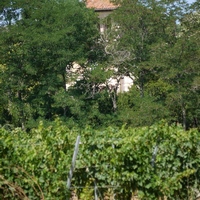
x,y
150,162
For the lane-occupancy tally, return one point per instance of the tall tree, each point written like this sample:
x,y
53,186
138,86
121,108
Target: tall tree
x,y
162,40
37,49
181,71
144,26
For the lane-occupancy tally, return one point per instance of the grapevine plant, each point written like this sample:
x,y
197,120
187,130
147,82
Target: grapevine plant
x,y
148,162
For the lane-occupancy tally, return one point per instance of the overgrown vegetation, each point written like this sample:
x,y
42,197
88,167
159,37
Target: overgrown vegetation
x,y
151,162
156,43
126,149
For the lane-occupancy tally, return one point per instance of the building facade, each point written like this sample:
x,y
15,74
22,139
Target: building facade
x,y
104,8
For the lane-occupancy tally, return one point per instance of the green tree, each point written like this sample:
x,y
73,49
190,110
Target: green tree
x,y
135,111
162,40
181,71
37,49
143,27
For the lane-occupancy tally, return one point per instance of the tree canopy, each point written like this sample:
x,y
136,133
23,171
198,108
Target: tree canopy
x,y
55,74
36,51
154,43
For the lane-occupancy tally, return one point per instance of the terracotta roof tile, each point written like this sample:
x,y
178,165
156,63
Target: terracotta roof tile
x,y
100,4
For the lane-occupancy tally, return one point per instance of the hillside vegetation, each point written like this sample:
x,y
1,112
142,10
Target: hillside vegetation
x,y
149,162
155,43
144,142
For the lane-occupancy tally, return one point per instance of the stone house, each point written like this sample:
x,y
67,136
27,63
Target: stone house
x,y
104,8
122,83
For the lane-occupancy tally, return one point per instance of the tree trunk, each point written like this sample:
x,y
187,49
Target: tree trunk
x,y
184,118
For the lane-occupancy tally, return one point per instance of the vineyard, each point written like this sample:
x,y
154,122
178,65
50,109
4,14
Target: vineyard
x,y
150,163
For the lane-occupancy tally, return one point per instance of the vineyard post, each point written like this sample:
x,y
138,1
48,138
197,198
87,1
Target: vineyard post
x,y
95,192
73,162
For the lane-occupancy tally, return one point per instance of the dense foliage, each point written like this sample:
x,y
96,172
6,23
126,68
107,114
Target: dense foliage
x,y
156,43
35,52
150,162
162,40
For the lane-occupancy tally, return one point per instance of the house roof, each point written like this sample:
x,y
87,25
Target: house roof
x,y
99,5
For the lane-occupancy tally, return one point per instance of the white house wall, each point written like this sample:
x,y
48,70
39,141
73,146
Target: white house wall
x,y
124,83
